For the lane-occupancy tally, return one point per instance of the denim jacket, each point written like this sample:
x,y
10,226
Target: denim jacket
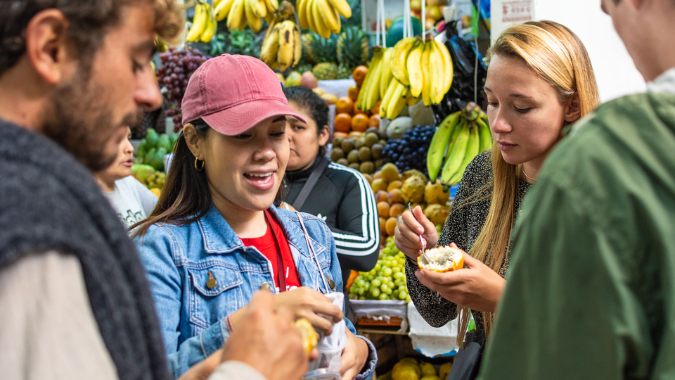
x,y
178,260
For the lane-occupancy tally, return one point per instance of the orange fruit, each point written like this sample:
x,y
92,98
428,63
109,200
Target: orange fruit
x,y
344,105
395,196
390,226
341,134
343,122
353,93
381,196
394,185
374,121
377,175
359,74
383,224
352,277
368,178
360,123
383,209
356,110
396,209
355,134
376,109
378,184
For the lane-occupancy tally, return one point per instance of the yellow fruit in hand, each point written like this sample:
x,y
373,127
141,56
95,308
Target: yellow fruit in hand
x,y
309,336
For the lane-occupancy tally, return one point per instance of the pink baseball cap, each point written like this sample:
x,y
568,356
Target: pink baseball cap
x,y
233,93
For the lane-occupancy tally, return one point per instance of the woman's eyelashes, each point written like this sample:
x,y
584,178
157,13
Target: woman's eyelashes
x,y
519,110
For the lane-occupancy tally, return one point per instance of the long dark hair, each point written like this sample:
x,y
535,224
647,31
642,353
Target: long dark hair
x,y
186,196
310,101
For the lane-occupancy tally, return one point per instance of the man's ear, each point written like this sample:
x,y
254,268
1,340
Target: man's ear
x,y
46,45
193,141
573,108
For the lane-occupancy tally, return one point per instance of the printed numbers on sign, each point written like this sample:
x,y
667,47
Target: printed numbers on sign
x,y
516,11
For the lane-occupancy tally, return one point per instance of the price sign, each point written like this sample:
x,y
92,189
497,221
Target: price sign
x,y
516,11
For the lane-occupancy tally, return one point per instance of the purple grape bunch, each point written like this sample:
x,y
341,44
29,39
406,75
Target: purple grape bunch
x,y
174,74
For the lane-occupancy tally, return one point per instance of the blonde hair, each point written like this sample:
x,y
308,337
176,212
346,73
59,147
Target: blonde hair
x,y
560,58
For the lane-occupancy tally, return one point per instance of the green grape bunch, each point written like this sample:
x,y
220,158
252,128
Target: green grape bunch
x,y
386,281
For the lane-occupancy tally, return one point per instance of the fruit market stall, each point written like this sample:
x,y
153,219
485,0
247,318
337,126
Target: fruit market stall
x,y
403,89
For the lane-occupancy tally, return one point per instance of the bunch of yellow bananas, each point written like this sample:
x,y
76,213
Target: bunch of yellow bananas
x,y
463,135
380,83
426,67
281,47
241,12
395,95
204,25
403,75
323,16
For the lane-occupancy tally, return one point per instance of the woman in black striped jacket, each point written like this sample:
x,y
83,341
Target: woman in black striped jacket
x,y
341,196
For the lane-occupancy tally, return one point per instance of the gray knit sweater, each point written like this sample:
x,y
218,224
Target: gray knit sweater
x,y
50,202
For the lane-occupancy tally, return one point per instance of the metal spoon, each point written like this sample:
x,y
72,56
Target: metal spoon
x,y
420,236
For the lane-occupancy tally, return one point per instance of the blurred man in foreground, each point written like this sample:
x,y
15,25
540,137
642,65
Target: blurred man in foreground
x,y
591,294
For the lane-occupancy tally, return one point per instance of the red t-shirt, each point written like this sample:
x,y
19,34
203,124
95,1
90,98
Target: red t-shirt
x,y
267,245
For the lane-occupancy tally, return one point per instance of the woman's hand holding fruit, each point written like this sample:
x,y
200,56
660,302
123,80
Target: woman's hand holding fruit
x,y
304,303
408,229
477,286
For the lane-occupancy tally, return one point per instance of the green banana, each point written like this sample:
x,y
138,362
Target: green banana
x,y
472,150
439,144
456,156
485,135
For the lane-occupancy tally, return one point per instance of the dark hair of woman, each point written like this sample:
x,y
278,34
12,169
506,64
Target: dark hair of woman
x,y
310,101
186,196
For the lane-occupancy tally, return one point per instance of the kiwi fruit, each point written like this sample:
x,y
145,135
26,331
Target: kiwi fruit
x,y
360,142
367,167
336,154
355,165
376,151
337,141
347,145
353,156
343,162
371,139
364,154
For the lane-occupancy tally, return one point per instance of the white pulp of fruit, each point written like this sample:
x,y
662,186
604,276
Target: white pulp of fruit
x,y
441,258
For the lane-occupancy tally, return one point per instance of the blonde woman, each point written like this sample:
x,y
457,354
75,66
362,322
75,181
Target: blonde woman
x,y
539,81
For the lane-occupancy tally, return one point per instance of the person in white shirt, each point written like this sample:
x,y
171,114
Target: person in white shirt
x,y
132,201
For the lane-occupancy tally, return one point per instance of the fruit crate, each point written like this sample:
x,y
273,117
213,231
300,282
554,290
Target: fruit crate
x,y
380,313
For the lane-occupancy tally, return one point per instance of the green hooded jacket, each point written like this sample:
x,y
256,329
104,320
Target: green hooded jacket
x,y
591,287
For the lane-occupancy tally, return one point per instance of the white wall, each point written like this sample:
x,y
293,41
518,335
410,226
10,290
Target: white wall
x,y
614,70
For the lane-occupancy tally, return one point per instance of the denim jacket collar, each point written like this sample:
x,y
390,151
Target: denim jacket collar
x,y
219,238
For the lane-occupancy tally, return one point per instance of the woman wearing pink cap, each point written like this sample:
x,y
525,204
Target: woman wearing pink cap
x,y
216,237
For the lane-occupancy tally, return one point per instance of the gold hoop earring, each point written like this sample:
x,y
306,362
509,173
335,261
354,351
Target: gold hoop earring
x,y
197,168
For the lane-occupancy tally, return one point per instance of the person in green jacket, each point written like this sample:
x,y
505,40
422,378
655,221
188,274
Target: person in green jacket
x,y
591,288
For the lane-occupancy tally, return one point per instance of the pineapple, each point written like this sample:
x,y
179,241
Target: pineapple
x,y
353,48
307,54
343,71
325,71
322,49
303,68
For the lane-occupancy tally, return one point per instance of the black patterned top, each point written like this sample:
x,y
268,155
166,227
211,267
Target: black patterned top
x,y
462,227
